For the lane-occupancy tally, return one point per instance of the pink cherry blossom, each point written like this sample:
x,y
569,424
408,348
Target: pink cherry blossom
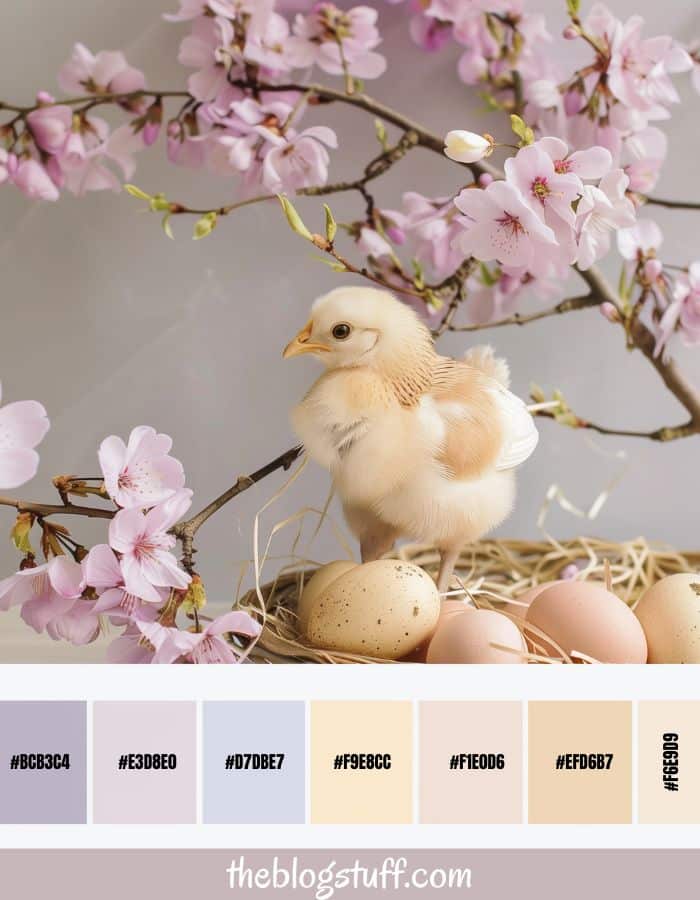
x,y
79,626
430,34
131,647
192,9
643,239
371,243
338,41
268,44
50,127
184,149
546,191
144,543
683,312
207,49
644,153
45,592
590,164
140,473
298,161
600,210
34,181
429,227
23,425
206,647
88,167
7,161
498,225
103,572
106,72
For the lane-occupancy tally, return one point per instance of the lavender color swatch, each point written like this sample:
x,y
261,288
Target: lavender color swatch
x,y
258,786
43,769
131,786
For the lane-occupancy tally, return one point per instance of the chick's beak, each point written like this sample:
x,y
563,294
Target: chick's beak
x,y
302,344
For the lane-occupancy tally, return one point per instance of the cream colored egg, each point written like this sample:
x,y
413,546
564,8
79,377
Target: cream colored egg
x,y
384,609
317,584
469,637
584,617
670,615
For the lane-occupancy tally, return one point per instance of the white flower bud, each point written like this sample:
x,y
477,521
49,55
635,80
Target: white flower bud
x,y
466,146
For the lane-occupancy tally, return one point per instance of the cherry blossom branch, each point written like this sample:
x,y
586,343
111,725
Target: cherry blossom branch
x,y
641,338
374,169
50,509
425,138
586,301
186,531
95,100
669,433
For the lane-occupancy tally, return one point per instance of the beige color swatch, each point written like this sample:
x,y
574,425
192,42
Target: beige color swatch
x,y
351,731
667,729
580,735
471,762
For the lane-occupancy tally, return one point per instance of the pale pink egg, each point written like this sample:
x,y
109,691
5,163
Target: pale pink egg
x,y
584,617
468,637
520,611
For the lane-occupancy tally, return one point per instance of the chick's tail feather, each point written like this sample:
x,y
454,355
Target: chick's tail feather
x,y
484,358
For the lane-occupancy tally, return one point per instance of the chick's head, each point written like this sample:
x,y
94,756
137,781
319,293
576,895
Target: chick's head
x,y
359,326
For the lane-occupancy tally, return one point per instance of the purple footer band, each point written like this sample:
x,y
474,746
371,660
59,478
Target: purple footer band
x,y
328,874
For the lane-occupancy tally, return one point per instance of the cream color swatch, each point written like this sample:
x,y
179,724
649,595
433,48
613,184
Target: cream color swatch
x,y
350,732
568,747
669,738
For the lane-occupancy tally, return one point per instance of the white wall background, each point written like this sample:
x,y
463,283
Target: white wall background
x,y
111,325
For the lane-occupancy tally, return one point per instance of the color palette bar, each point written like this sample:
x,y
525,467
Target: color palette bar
x,y
345,762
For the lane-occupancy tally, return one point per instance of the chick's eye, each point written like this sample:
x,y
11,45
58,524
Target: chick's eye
x,y
341,332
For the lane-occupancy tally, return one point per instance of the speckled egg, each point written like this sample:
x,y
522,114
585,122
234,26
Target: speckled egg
x,y
383,609
584,617
670,615
317,584
469,636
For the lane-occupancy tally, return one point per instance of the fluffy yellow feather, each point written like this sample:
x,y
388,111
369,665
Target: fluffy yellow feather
x,y
418,445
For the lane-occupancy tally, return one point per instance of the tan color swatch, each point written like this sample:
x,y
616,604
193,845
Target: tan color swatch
x,y
352,732
571,745
669,762
471,762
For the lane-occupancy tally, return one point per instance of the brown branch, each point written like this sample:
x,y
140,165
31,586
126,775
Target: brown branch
x,y
50,509
663,435
186,531
643,340
672,204
95,100
426,138
374,169
570,305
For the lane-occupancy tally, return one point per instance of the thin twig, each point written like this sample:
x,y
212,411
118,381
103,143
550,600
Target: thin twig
x,y
573,303
663,435
186,531
50,509
672,204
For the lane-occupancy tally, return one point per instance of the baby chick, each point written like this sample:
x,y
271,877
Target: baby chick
x,y
418,445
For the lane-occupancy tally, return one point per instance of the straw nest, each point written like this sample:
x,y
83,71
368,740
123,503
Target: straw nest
x,y
493,574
